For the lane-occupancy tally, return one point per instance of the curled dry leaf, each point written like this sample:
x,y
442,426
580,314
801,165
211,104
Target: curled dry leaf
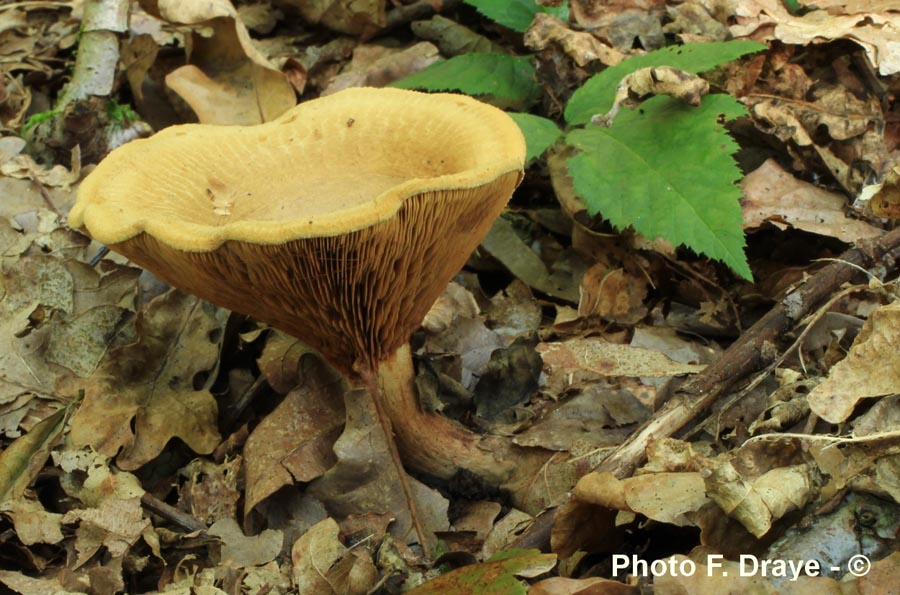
x,y
660,80
757,502
873,29
215,83
871,368
581,46
775,196
322,565
663,497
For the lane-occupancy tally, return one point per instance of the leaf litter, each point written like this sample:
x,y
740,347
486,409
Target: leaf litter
x,y
152,442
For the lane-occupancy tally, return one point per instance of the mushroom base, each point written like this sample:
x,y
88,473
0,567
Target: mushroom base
x,y
435,445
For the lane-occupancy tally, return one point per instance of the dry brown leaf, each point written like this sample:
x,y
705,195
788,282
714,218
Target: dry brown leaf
x,y
228,80
378,66
245,550
456,302
873,29
693,23
356,17
116,524
454,39
663,497
322,565
151,383
773,195
32,523
581,46
759,501
610,359
364,480
294,442
871,368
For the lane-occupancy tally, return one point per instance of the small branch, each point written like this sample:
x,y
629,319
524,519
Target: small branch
x,y
377,397
754,350
172,514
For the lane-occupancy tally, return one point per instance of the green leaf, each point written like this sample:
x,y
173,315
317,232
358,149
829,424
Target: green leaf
x,y
516,14
496,576
666,170
508,78
596,95
540,133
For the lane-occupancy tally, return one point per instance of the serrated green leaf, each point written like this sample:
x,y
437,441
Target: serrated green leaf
x,y
666,170
509,78
597,94
516,14
539,133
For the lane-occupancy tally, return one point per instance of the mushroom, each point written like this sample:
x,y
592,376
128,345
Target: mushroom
x,y
340,222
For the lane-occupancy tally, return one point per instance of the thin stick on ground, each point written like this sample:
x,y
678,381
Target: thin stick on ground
x,y
377,397
754,350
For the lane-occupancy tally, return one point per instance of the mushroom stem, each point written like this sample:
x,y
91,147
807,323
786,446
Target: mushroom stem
x,y
377,396
434,444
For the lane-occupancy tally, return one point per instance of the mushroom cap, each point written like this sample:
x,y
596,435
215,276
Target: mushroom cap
x,y
339,222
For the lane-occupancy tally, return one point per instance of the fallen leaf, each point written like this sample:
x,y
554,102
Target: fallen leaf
x,y
228,80
317,564
151,383
871,368
294,443
496,576
773,195
364,479
610,359
581,46
242,550
875,30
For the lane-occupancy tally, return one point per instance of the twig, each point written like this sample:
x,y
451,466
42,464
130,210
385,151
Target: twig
x,y
170,513
754,350
401,15
375,393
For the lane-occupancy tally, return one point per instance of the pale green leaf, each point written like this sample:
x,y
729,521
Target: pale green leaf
x,y
516,14
508,78
597,94
666,170
540,133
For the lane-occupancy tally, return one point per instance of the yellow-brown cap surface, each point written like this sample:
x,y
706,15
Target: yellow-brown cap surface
x,y
340,222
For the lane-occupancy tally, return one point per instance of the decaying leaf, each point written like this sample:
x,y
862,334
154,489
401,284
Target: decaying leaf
x,y
774,196
152,382
495,576
610,359
242,550
364,480
294,443
871,368
581,46
875,30
322,565
660,80
228,80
